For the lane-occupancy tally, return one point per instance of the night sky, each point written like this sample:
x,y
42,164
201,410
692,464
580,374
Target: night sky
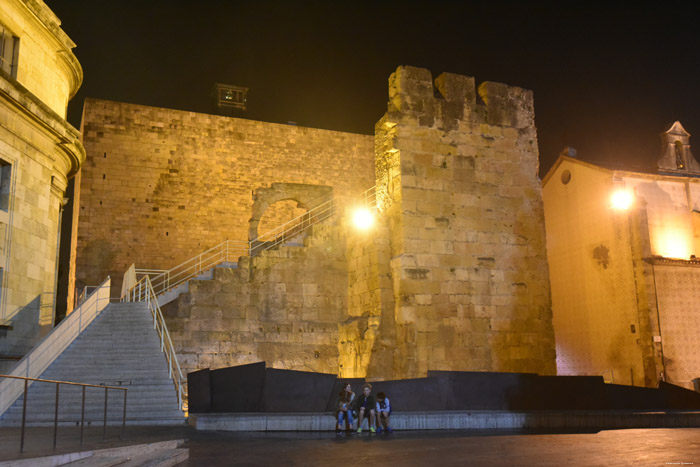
x,y
607,80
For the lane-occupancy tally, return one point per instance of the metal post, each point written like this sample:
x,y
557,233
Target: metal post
x,y
24,416
124,416
55,417
82,418
104,427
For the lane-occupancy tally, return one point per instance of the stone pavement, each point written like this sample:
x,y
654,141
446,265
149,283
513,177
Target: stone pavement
x,y
637,447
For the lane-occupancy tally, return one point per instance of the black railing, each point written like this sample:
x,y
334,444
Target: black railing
x,y
82,411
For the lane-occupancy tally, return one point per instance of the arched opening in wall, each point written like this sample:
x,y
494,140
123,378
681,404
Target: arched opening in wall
x,y
280,217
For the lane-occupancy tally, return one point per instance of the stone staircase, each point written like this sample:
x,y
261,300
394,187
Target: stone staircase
x,y
119,348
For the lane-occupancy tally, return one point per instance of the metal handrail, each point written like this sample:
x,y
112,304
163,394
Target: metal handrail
x,y
291,229
55,419
83,295
168,279
45,352
230,250
143,292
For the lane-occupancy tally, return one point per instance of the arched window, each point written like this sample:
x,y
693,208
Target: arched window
x,y
680,161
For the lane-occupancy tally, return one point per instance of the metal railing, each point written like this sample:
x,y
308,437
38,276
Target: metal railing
x,y
82,293
291,229
55,418
164,280
229,251
33,364
143,292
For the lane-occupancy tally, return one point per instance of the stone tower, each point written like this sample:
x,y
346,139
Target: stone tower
x,y
457,181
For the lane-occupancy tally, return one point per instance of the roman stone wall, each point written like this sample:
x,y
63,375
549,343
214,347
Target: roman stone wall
x,y
467,231
160,186
453,276
367,337
282,307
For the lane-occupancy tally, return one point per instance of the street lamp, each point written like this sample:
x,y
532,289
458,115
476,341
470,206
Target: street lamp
x,y
363,218
621,199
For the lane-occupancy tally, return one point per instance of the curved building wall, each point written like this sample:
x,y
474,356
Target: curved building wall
x,y
39,152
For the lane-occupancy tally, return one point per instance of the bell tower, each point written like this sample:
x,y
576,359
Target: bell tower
x,y
676,157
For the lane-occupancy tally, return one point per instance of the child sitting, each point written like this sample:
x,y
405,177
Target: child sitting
x,y
363,404
383,413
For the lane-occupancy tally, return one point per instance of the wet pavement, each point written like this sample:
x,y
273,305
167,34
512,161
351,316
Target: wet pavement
x,y
636,447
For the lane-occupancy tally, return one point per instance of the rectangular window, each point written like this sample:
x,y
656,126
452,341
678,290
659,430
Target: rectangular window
x,y
5,183
231,96
9,51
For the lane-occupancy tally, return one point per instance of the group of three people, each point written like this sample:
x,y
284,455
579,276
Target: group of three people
x,y
363,405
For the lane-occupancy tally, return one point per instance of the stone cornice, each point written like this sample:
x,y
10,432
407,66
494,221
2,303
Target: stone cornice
x,y
52,25
663,261
67,138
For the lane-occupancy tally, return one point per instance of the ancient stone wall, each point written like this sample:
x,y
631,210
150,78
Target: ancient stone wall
x,y
160,186
461,192
367,337
452,277
282,307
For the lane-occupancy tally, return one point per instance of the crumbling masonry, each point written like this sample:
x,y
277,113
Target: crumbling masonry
x,y
452,277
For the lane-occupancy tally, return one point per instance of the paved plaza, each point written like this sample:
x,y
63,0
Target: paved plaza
x,y
638,447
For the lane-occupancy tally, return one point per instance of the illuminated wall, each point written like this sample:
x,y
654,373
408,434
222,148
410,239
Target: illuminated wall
x,y
160,186
669,205
452,276
602,260
39,152
593,281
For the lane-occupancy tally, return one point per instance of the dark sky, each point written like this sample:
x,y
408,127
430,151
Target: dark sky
x,y
607,80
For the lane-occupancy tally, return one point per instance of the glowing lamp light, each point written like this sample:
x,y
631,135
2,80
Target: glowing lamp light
x,y
673,244
621,200
363,218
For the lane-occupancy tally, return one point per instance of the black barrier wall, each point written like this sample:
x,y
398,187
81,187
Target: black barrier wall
x,y
254,388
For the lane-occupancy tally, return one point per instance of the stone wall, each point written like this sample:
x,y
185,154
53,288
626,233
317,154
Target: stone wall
x,y
463,199
39,152
47,66
282,307
452,277
367,337
160,186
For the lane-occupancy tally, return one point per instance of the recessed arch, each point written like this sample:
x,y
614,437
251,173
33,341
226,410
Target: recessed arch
x,y
306,196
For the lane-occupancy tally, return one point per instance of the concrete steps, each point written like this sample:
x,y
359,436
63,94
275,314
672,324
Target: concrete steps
x,y
119,348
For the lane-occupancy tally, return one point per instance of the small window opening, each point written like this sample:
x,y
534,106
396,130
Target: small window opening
x,y
9,51
5,182
565,177
680,162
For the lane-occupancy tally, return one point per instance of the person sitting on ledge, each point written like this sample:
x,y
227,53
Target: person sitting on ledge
x,y
383,412
345,400
363,404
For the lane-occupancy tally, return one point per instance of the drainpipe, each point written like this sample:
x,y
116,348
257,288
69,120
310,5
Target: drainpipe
x,y
64,201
